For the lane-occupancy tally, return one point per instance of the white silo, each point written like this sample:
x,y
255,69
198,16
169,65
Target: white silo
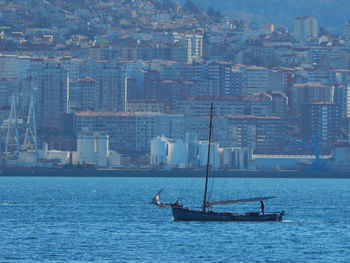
x,y
242,159
250,162
177,154
239,158
235,155
192,148
158,152
226,157
101,149
86,148
214,155
191,137
248,154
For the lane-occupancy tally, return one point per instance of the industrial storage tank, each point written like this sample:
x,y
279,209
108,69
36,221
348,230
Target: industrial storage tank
x,y
226,157
250,162
192,148
248,154
239,158
86,148
191,137
214,155
101,149
177,154
158,152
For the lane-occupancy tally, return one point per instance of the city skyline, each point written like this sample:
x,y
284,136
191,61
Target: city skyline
x,y
136,70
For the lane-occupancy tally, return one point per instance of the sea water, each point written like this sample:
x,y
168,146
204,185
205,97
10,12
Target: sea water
x,y
50,219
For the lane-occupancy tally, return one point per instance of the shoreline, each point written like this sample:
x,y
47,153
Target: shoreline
x,y
176,173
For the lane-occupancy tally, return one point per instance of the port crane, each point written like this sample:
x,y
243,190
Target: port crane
x,y
318,163
13,146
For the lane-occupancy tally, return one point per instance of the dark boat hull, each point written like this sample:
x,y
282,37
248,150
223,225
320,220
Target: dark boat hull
x,y
185,214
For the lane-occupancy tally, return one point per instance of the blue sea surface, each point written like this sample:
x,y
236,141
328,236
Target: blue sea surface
x,y
50,219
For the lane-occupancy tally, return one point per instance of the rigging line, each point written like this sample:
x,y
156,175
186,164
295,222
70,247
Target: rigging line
x,y
163,183
212,186
250,188
208,159
186,187
213,179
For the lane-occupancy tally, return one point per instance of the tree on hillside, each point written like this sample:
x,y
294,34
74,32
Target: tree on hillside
x,y
215,15
189,6
163,4
323,32
168,4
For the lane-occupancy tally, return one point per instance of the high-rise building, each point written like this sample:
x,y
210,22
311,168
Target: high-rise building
x,y
342,99
269,137
23,67
220,71
263,134
72,65
120,126
347,31
83,95
8,66
194,44
257,80
111,86
237,83
277,80
279,103
170,91
54,93
130,132
7,88
206,87
305,28
321,119
309,92
247,105
150,125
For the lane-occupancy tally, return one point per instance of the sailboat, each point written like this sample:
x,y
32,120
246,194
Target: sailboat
x,y
181,213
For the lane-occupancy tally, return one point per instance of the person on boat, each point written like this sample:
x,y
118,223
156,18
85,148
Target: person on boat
x,y
177,203
262,206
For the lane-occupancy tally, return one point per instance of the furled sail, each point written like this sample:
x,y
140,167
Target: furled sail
x,y
227,202
156,200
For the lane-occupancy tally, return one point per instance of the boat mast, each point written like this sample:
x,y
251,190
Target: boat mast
x,y
204,207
